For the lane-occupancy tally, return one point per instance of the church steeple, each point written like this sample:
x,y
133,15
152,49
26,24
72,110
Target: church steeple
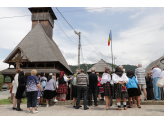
x,y
45,16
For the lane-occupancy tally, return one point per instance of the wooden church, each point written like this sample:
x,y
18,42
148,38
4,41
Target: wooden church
x,y
38,50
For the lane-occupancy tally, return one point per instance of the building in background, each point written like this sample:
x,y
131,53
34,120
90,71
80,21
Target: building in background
x,y
37,50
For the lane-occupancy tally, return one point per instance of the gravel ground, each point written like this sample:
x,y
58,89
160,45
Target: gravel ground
x,y
68,110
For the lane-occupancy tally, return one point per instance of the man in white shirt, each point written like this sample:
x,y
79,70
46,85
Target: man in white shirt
x,y
140,76
156,74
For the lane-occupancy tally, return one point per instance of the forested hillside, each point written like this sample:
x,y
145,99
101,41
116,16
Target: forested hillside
x,y
83,66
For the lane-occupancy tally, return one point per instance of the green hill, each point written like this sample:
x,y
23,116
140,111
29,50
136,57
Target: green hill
x,y
83,66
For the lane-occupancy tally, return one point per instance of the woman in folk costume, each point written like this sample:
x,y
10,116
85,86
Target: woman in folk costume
x,y
62,89
120,81
99,86
105,81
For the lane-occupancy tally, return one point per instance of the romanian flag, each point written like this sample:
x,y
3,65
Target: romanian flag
x,y
110,37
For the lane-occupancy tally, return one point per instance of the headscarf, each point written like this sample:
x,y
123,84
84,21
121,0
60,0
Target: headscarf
x,y
61,74
130,74
118,71
21,74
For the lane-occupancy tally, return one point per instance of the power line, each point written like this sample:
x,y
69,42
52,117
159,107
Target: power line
x,y
65,19
57,12
65,33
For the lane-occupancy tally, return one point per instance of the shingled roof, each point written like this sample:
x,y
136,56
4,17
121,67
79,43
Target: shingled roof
x,y
159,62
99,66
13,71
38,47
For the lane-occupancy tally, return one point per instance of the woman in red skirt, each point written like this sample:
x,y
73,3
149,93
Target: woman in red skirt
x,y
105,81
62,87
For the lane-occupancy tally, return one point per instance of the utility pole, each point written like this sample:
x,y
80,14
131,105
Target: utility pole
x,y
114,60
78,49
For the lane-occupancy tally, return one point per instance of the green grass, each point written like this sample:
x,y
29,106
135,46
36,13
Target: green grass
x,y
7,101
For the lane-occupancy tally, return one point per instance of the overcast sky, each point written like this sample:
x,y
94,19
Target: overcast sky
x,y
137,33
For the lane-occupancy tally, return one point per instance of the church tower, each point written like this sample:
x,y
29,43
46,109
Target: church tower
x,y
45,16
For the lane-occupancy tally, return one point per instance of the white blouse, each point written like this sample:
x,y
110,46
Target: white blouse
x,y
117,79
65,78
15,84
161,75
105,78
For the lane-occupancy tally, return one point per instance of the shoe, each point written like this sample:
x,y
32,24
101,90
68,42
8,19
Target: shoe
x,y
36,109
139,106
118,109
55,100
14,108
64,100
86,108
28,112
80,106
47,106
134,105
74,106
129,106
106,108
61,99
33,112
125,108
19,109
96,105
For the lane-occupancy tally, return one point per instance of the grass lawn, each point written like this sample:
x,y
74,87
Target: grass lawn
x,y
7,101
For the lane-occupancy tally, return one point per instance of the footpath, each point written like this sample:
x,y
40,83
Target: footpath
x,y
68,110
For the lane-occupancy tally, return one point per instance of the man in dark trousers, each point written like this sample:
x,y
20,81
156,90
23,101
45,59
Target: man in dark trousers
x,y
93,80
82,82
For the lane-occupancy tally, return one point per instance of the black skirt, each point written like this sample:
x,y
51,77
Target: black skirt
x,y
107,89
20,91
150,94
74,92
48,94
118,93
133,92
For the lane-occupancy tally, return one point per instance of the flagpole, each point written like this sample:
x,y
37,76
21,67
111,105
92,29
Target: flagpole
x,y
111,50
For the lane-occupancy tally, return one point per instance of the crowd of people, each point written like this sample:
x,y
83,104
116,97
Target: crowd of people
x,y
112,85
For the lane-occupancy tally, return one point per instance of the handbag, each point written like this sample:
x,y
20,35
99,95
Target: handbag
x,y
123,88
160,82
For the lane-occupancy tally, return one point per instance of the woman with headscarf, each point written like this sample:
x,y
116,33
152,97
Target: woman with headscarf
x,y
20,89
120,81
105,81
43,81
132,89
62,89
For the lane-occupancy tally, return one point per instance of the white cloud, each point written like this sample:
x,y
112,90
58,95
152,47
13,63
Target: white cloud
x,y
3,65
136,15
13,30
114,10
